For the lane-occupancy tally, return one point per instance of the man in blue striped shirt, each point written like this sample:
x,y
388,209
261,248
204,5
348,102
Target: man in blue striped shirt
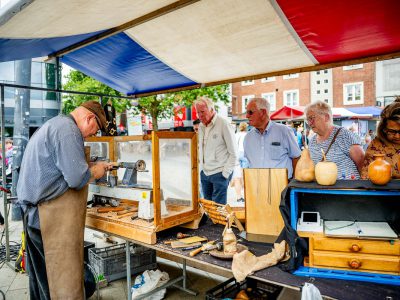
x,y
268,144
51,191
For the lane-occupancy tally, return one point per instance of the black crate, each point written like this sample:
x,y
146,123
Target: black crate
x,y
111,261
86,247
255,289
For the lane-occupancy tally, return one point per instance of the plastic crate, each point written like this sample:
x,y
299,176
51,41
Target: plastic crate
x,y
254,289
111,261
86,247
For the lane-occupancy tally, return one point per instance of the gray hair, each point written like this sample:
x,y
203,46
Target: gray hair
x,y
261,103
204,100
320,107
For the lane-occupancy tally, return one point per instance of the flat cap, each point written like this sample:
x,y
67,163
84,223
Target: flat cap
x,y
96,108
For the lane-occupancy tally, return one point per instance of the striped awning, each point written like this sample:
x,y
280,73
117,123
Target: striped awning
x,y
141,46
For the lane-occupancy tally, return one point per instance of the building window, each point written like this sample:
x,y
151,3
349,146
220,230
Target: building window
x,y
326,91
352,67
271,97
326,81
268,79
247,82
326,71
291,97
245,100
353,93
318,72
290,76
318,81
318,92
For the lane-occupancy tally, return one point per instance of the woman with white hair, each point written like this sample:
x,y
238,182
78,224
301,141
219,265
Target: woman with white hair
x,y
339,144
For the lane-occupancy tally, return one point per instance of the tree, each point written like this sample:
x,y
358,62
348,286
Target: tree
x,y
162,106
158,106
77,81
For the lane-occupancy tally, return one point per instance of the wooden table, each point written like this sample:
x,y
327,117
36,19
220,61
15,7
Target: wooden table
x,y
340,289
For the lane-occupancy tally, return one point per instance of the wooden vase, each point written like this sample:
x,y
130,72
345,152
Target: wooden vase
x,y
379,171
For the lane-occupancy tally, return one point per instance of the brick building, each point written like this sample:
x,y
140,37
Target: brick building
x,y
368,84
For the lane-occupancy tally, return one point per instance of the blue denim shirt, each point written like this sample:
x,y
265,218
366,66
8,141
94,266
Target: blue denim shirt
x,y
54,161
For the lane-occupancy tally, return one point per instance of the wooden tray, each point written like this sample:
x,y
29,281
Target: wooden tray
x,y
222,255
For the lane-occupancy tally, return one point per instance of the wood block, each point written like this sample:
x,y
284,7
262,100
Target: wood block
x,y
263,188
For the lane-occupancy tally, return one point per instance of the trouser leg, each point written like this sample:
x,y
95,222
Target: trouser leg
x,y
35,261
206,186
220,187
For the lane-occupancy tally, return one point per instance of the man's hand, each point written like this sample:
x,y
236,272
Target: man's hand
x,y
100,168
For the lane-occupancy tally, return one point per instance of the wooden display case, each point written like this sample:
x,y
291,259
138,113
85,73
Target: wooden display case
x,y
167,193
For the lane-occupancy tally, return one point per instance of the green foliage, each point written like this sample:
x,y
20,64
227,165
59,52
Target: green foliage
x,y
77,81
159,107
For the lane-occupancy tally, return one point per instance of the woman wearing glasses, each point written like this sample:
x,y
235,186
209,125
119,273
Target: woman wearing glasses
x,y
339,144
387,140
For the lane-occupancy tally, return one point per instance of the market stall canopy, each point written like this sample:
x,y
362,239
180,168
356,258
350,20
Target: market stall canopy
x,y
138,46
371,110
288,113
343,113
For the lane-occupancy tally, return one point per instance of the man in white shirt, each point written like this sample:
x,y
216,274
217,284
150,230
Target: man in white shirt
x,y
217,151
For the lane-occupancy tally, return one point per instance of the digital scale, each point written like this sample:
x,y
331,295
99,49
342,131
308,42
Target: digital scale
x,y
310,221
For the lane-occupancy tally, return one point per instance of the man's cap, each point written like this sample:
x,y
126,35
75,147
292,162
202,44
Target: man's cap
x,y
96,108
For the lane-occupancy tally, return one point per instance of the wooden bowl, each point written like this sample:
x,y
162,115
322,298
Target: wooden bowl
x,y
222,255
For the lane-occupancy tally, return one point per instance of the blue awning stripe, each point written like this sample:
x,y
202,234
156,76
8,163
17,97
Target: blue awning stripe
x,y
124,65
16,49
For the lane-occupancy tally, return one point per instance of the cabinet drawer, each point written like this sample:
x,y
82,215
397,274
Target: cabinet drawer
x,y
356,262
356,245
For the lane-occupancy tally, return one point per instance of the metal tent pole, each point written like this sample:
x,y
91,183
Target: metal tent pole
x,y
4,175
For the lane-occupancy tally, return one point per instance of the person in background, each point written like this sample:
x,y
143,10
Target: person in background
x,y
196,124
339,144
300,137
387,140
237,180
217,151
9,154
367,141
52,192
291,126
269,144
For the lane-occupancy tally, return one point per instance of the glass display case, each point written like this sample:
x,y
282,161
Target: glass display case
x,y
154,186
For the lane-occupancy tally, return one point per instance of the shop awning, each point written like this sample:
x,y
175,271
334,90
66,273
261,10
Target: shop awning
x,y
138,46
343,113
371,110
288,113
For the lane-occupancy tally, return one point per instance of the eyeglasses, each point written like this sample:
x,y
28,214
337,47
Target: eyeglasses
x,y
392,132
250,112
97,121
311,119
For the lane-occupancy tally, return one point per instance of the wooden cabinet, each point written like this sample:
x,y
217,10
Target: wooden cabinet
x,y
358,259
355,255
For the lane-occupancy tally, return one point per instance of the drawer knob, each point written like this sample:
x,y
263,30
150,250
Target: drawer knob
x,y
355,248
354,264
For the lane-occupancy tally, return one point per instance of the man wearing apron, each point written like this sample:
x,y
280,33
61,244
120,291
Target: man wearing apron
x,y
52,191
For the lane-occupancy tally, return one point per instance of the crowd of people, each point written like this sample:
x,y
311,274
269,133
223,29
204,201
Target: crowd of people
x,y
268,144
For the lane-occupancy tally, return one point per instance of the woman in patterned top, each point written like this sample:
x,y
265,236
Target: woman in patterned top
x,y
387,140
342,146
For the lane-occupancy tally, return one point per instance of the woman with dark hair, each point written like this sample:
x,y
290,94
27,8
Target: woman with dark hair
x,y
387,140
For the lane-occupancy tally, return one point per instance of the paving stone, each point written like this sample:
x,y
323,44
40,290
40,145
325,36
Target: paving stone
x,y
21,294
20,281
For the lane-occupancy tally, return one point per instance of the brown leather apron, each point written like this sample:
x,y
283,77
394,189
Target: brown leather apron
x,y
62,223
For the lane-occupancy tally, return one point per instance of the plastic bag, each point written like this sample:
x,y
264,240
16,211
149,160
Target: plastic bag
x,y
149,281
310,292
